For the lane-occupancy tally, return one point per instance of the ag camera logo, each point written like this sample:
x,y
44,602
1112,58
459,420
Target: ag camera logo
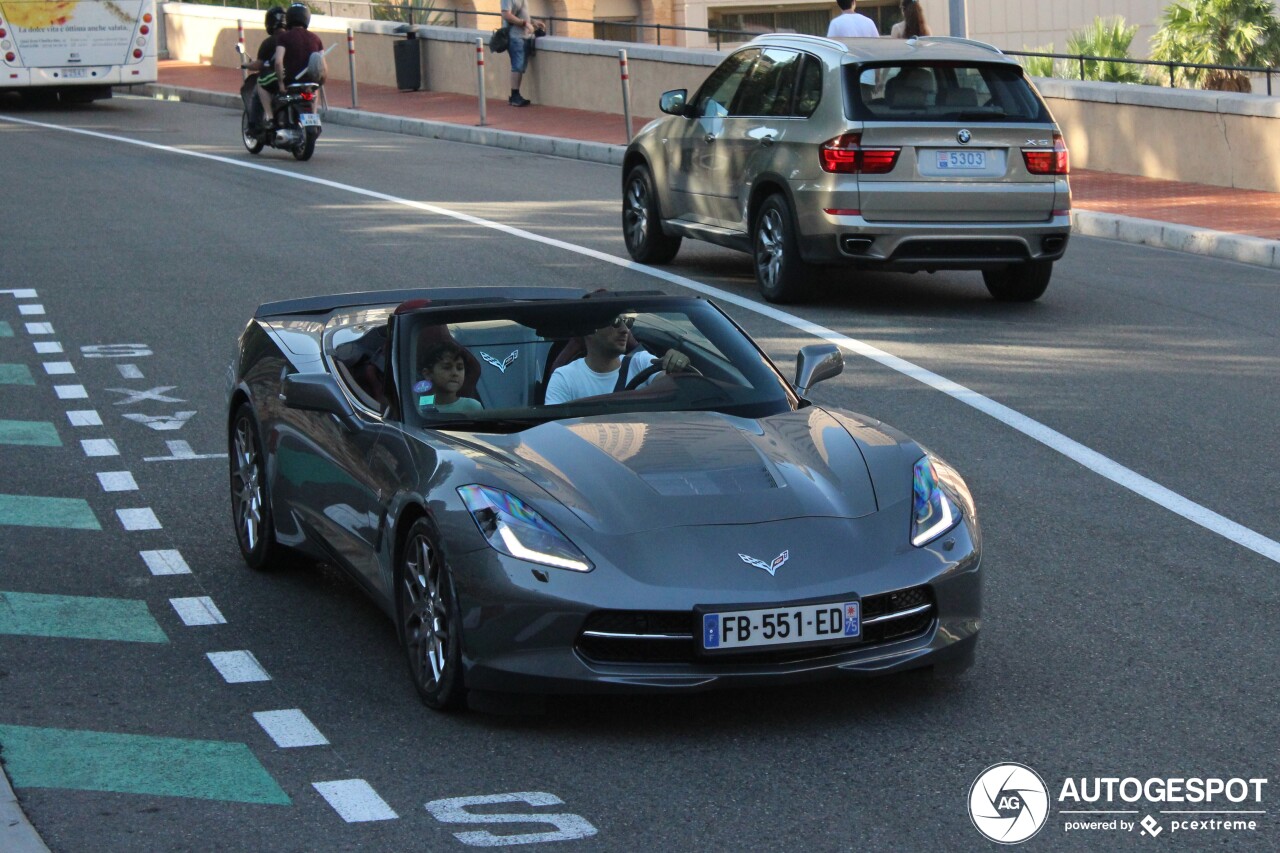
x,y
1008,803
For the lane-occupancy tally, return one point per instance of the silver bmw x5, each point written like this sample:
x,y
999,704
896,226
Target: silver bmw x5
x,y
926,154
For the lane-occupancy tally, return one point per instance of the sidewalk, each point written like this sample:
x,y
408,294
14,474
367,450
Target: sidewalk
x,y
1239,225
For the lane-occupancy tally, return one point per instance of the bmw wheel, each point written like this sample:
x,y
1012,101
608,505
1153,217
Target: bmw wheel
x,y
1021,283
430,624
782,275
250,503
642,220
252,142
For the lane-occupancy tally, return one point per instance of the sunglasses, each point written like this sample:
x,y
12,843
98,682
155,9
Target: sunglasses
x,y
622,321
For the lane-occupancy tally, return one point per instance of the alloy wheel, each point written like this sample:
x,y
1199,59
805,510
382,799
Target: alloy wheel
x,y
247,486
636,219
769,257
426,614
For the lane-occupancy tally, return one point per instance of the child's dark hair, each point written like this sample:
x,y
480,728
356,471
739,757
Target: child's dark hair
x,y
437,353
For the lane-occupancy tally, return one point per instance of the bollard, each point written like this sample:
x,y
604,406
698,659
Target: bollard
x,y
244,72
480,77
626,92
351,65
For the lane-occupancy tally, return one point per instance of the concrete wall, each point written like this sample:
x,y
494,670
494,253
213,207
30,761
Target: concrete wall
x,y
1201,137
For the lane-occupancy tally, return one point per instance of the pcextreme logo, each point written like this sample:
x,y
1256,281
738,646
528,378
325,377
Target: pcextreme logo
x,y
1009,803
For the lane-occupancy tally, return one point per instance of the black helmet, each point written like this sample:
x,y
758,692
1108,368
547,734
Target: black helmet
x,y
298,15
275,19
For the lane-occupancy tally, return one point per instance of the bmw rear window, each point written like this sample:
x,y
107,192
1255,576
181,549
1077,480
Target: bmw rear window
x,y
940,91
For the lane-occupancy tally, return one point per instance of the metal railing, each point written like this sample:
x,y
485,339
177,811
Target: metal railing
x,y
450,16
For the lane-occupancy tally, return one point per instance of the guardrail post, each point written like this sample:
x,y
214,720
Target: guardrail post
x,y
244,72
626,91
480,77
1173,81
351,64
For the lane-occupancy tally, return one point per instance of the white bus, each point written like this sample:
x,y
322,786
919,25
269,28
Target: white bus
x,y
76,49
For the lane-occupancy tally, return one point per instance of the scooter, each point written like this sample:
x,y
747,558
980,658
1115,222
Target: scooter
x,y
296,127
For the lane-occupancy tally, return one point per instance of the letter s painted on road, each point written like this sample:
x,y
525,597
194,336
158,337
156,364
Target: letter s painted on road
x,y
454,810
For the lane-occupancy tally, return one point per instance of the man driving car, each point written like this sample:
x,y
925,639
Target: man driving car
x,y
607,367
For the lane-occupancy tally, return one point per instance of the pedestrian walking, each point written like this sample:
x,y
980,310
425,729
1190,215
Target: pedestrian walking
x,y
520,33
912,24
851,24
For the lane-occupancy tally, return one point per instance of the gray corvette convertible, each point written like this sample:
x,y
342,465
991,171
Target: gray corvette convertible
x,y
558,492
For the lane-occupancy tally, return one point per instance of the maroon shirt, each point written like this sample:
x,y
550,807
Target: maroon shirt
x,y
298,46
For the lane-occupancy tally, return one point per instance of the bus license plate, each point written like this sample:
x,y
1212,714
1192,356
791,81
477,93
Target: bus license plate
x,y
74,73
962,159
309,120
781,626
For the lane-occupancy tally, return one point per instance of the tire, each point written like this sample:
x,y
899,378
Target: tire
x,y
250,500
781,274
308,146
252,144
430,624
1022,283
642,220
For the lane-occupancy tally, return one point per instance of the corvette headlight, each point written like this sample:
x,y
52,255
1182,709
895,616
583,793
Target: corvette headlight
x,y
514,528
933,512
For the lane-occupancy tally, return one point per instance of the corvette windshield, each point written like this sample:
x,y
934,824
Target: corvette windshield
x,y
501,366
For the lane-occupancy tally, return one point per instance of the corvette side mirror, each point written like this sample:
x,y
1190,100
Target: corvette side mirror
x,y
315,392
815,363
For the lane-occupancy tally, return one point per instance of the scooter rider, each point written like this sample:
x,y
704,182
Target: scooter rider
x,y
295,45
262,65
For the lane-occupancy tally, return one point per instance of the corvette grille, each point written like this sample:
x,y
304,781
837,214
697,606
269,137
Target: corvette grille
x,y
667,637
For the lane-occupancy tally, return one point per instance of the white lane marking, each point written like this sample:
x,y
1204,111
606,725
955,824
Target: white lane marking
x,y
31,310
454,810
155,395
48,347
139,518
117,481
238,667
161,423
99,447
1090,459
71,392
84,417
58,368
39,328
181,450
354,800
198,611
290,728
166,562
129,371
23,293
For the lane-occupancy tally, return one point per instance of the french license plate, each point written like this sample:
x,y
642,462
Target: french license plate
x,y
308,119
962,159
74,73
781,626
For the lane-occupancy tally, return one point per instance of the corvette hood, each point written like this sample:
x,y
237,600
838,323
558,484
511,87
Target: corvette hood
x,y
649,471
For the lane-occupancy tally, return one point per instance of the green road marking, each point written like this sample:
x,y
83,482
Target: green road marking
x,y
78,616
6,331
136,764
15,374
27,511
37,433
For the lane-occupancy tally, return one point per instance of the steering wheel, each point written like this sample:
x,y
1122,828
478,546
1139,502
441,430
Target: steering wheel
x,y
640,378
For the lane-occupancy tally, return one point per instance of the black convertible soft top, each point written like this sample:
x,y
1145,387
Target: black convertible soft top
x,y
437,295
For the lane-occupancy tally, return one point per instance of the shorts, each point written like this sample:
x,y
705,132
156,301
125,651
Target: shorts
x,y
519,55
268,81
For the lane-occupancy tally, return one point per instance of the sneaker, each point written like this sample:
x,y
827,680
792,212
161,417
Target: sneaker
x,y
519,101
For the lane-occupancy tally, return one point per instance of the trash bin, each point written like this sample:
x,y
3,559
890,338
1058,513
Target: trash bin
x,y
408,55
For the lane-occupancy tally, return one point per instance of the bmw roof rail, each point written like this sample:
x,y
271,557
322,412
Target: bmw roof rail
x,y
782,38
956,40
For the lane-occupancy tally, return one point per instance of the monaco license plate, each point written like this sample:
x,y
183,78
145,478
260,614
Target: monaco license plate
x,y
962,159
308,119
74,73
781,625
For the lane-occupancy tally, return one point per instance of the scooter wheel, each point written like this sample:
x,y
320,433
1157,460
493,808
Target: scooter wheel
x,y
252,142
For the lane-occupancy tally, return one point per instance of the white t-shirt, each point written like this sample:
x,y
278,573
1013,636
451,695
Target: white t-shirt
x,y
575,380
852,25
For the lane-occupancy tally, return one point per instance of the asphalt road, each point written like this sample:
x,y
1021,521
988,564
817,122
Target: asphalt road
x,y
1120,639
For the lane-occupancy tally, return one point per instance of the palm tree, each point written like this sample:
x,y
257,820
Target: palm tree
x,y
1104,37
1218,32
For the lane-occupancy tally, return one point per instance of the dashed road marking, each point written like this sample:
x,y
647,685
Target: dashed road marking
x,y
34,511
117,481
354,800
99,447
29,433
165,562
78,617
137,764
39,328
70,392
31,310
138,518
58,368
290,728
180,451
129,371
16,374
21,292
47,347
238,667
84,417
198,611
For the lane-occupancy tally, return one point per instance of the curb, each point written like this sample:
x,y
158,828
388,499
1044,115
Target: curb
x,y
17,835
1190,239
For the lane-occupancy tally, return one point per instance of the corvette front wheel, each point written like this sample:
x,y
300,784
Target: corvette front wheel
x,y
430,624
250,503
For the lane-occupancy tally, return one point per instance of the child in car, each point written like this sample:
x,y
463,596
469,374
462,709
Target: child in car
x,y
443,372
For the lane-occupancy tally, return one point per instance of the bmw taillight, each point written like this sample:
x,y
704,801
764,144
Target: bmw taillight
x,y
1048,161
845,155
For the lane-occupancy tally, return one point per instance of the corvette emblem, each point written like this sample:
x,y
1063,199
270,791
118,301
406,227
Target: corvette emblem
x,y
771,568
963,137
505,363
